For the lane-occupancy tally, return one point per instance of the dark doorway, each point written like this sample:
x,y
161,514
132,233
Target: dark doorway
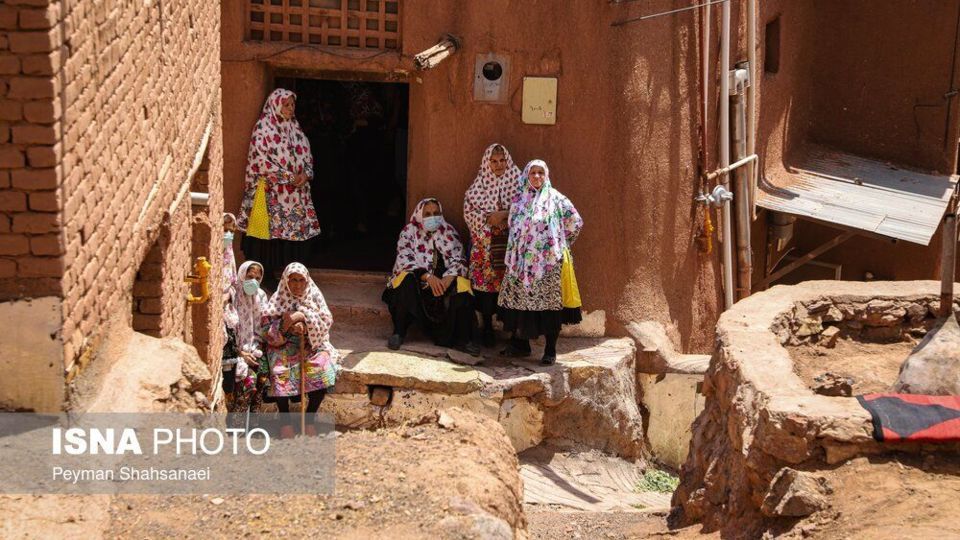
x,y
358,135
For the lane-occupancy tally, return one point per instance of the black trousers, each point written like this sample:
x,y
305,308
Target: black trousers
x,y
448,319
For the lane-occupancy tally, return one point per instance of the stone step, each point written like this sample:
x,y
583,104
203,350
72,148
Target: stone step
x,y
587,397
354,298
354,301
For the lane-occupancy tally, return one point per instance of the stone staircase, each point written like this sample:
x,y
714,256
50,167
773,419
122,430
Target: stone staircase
x,y
588,397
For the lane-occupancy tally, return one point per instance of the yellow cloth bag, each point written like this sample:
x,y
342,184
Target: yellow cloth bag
x,y
569,291
259,225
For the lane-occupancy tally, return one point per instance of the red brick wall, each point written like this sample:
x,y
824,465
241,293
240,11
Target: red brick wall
x,y
142,87
30,241
103,109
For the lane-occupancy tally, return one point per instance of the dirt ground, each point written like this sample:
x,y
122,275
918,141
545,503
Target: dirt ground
x,y
872,366
890,497
546,524
409,482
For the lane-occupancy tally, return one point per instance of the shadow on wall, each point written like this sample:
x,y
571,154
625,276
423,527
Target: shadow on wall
x,y
660,182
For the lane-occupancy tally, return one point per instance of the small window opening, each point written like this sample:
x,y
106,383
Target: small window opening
x,y
771,47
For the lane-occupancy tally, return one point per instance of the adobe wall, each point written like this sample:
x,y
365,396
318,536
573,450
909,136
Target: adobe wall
x,y
882,72
118,109
868,78
623,148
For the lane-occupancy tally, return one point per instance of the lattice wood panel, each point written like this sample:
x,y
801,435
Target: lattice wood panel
x,y
358,24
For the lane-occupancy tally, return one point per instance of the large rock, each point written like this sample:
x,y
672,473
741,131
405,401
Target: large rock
x,y
795,494
933,367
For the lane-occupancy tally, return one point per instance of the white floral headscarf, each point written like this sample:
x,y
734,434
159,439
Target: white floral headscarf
x,y
543,223
416,246
310,303
489,192
249,309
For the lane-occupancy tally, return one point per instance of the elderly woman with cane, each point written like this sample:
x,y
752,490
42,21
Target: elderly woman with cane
x,y
302,362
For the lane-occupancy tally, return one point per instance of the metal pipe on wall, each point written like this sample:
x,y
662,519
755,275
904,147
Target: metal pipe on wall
x,y
754,168
705,86
741,179
948,260
724,136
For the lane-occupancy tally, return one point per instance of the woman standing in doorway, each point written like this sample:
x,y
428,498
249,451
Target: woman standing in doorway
x,y
277,211
543,226
297,311
486,207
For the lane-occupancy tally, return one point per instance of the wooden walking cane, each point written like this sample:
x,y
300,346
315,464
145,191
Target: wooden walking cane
x,y
303,384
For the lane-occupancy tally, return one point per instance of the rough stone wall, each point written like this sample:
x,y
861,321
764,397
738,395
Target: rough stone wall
x,y
105,110
760,418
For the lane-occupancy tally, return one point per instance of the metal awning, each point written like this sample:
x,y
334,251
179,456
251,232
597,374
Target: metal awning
x,y
863,194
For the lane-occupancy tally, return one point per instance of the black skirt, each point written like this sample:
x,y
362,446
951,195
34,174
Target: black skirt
x,y
533,324
275,254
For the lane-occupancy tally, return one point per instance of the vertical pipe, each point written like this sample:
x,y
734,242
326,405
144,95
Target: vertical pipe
x,y
725,149
741,179
705,86
948,260
754,167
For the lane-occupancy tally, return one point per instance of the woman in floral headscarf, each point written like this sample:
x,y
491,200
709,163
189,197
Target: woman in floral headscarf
x,y
485,209
543,226
428,284
295,312
249,302
277,211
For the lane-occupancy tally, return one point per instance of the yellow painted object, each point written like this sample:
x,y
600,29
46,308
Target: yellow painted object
x,y
201,276
259,225
539,100
708,230
463,285
398,280
569,290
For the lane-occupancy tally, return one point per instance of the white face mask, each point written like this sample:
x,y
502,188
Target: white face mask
x,y
250,287
432,223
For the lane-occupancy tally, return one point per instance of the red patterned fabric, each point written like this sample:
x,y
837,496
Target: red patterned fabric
x,y
909,417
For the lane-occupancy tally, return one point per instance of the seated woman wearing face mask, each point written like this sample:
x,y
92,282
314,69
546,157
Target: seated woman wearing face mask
x,y
429,284
247,373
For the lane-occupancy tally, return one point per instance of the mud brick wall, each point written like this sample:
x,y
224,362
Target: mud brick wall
x,y
141,88
30,240
104,106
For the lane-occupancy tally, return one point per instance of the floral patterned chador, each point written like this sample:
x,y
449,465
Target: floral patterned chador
x,y
283,348
543,225
278,152
487,194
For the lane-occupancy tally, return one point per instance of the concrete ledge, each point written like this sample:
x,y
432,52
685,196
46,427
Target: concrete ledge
x,y
588,397
657,355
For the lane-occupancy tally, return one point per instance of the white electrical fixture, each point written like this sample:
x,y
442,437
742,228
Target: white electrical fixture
x,y
491,78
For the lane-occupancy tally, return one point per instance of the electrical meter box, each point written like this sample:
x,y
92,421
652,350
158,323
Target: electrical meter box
x,y
540,100
491,78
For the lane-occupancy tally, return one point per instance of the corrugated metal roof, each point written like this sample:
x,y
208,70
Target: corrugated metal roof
x,y
862,193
